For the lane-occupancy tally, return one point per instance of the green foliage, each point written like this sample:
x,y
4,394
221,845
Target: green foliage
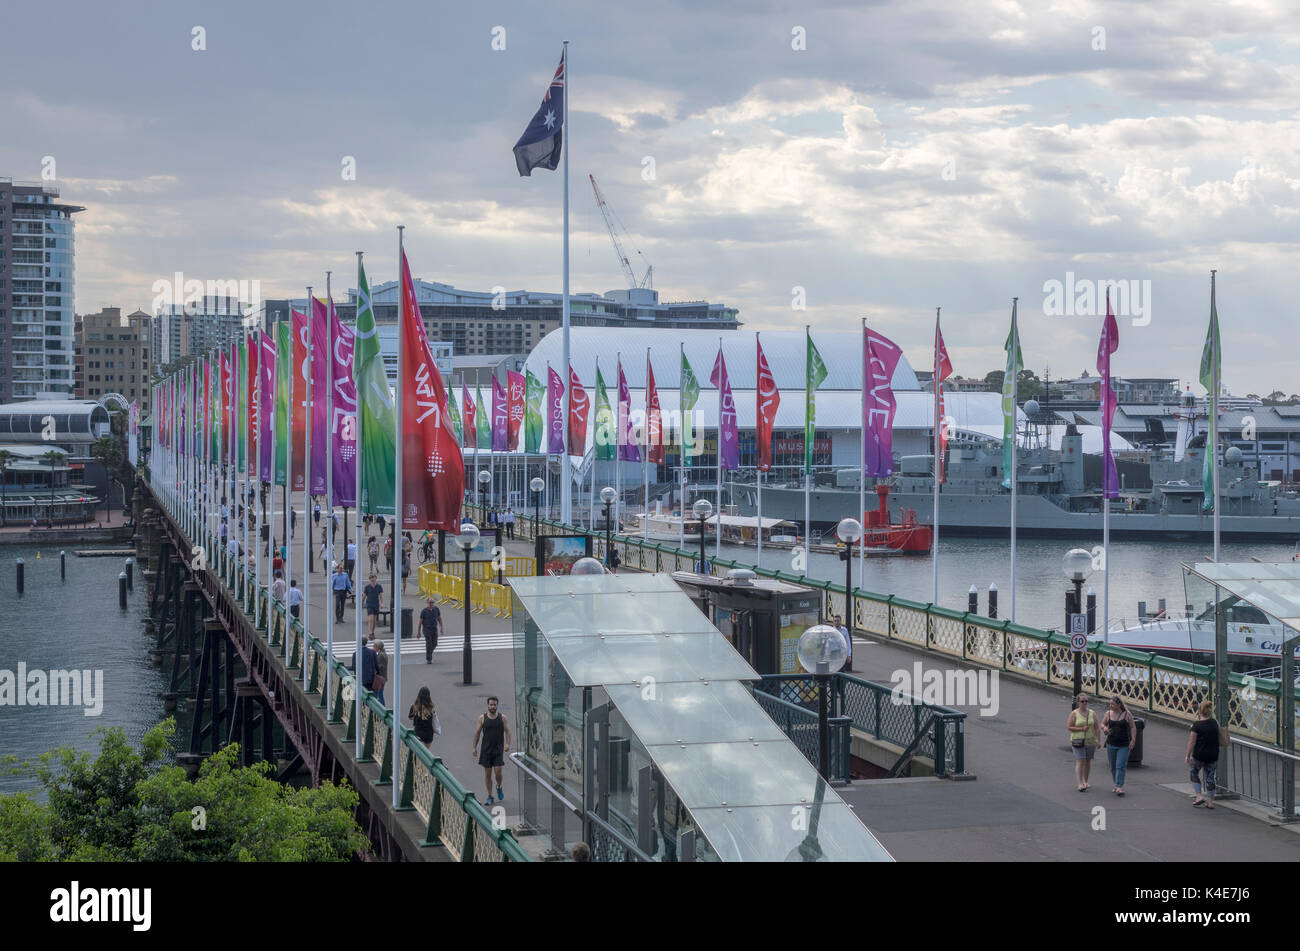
x,y
121,806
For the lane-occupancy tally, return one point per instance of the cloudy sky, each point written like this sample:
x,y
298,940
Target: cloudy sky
x,y
909,155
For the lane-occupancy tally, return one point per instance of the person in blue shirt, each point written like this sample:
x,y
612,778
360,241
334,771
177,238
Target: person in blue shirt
x,y
371,595
368,665
341,583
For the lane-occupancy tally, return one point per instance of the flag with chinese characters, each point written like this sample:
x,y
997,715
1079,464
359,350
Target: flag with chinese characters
x,y
515,408
344,406
500,416
320,355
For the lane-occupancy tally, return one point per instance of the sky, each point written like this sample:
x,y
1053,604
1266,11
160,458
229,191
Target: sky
x,y
809,163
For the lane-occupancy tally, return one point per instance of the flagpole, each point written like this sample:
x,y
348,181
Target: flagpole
x,y
618,445
758,450
807,450
329,486
862,476
566,488
681,437
478,396
273,376
398,521
1211,444
934,542
308,419
1015,395
356,565
243,484
645,454
717,515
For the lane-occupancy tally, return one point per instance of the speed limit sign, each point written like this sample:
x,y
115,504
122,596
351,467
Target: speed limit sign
x,y
1078,642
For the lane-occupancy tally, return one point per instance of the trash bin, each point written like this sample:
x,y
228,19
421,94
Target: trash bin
x,y
407,626
1135,758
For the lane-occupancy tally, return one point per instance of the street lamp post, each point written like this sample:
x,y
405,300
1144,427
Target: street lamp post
x,y
484,480
607,495
822,652
1077,565
537,485
467,539
849,530
702,509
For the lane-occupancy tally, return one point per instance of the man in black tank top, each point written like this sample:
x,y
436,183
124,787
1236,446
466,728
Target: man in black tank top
x,y
495,732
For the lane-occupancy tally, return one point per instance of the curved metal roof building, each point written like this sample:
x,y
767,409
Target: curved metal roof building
x,y
74,421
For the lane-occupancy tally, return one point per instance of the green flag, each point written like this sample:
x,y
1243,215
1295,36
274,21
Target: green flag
x,y
376,413
241,400
454,410
1015,362
604,436
482,421
1211,359
690,392
816,371
534,394
283,368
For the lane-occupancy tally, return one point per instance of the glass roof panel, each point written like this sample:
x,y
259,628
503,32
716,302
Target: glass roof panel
x,y
618,613
1273,588
675,713
593,660
762,773
772,834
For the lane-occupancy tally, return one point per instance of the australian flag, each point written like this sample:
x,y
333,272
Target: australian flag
x,y
539,146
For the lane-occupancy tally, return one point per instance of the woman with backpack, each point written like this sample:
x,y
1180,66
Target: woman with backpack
x,y
424,717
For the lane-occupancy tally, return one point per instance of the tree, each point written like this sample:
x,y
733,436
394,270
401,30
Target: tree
x,y
107,451
52,456
6,459
1028,386
124,806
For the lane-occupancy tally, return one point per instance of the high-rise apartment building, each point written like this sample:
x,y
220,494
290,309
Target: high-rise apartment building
x,y
114,355
37,333
202,325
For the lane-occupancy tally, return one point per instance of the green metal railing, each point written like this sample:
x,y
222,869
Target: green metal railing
x,y
1146,681
452,815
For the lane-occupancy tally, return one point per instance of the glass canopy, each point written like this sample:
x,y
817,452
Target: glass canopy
x,y
1272,587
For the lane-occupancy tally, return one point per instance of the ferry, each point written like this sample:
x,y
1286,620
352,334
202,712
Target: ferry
x,y
1254,639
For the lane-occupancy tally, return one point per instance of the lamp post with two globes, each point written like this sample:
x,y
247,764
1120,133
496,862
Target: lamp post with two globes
x,y
607,496
537,485
467,540
1077,565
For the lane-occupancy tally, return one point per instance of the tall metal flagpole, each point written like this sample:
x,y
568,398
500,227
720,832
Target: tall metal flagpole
x,y
595,432
645,455
306,498
862,471
681,437
758,473
618,443
717,514
566,474
243,483
934,541
398,520
1211,444
807,450
356,565
329,487
1015,389
273,377
475,492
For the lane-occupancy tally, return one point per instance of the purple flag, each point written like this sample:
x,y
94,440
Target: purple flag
x,y
266,407
500,417
728,435
880,357
627,447
555,416
319,354
345,414
1108,344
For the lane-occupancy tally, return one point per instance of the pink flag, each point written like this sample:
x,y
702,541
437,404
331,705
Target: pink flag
x,y
728,431
880,357
500,417
468,430
515,405
1108,344
555,415
345,413
579,404
266,401
319,354
627,447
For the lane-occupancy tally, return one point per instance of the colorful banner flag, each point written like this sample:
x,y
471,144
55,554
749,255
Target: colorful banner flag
x,y
605,435
266,398
880,358
942,370
1015,363
454,410
654,434
344,423
319,385
301,388
1211,364
515,406
539,146
534,425
500,416
283,377
241,417
689,394
433,476
815,373
378,414
555,412
468,414
579,406
728,433
1107,345
767,399
482,424
627,444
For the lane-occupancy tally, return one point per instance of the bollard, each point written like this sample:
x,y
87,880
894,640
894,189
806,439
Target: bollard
x,y
130,575
993,600
121,590
973,600
1092,611
20,574
63,566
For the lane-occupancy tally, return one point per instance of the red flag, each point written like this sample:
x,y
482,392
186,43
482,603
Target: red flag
x,y
433,476
942,370
467,427
578,408
515,407
767,398
299,408
654,419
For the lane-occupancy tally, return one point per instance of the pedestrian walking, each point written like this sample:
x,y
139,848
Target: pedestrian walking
x,y
382,522
293,522
381,671
424,717
277,563
372,549
367,665
848,641
341,584
1203,742
494,730
1085,738
334,523
372,597
278,588
510,523
315,513
431,627
350,556
406,569
388,555
1121,734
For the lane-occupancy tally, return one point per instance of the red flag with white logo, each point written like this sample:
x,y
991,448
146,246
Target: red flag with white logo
x,y
579,405
942,370
654,418
768,398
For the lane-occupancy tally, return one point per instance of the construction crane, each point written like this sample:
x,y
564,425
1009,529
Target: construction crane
x,y
608,214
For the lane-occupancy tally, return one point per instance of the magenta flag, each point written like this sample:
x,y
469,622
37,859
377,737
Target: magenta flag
x,y
555,417
345,413
1108,344
319,354
879,358
516,407
627,447
500,417
728,431
266,408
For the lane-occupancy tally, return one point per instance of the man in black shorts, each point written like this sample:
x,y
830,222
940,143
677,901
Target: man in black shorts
x,y
431,627
370,597
495,731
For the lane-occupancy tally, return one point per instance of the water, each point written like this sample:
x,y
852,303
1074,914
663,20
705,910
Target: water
x,y
1142,570
74,624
